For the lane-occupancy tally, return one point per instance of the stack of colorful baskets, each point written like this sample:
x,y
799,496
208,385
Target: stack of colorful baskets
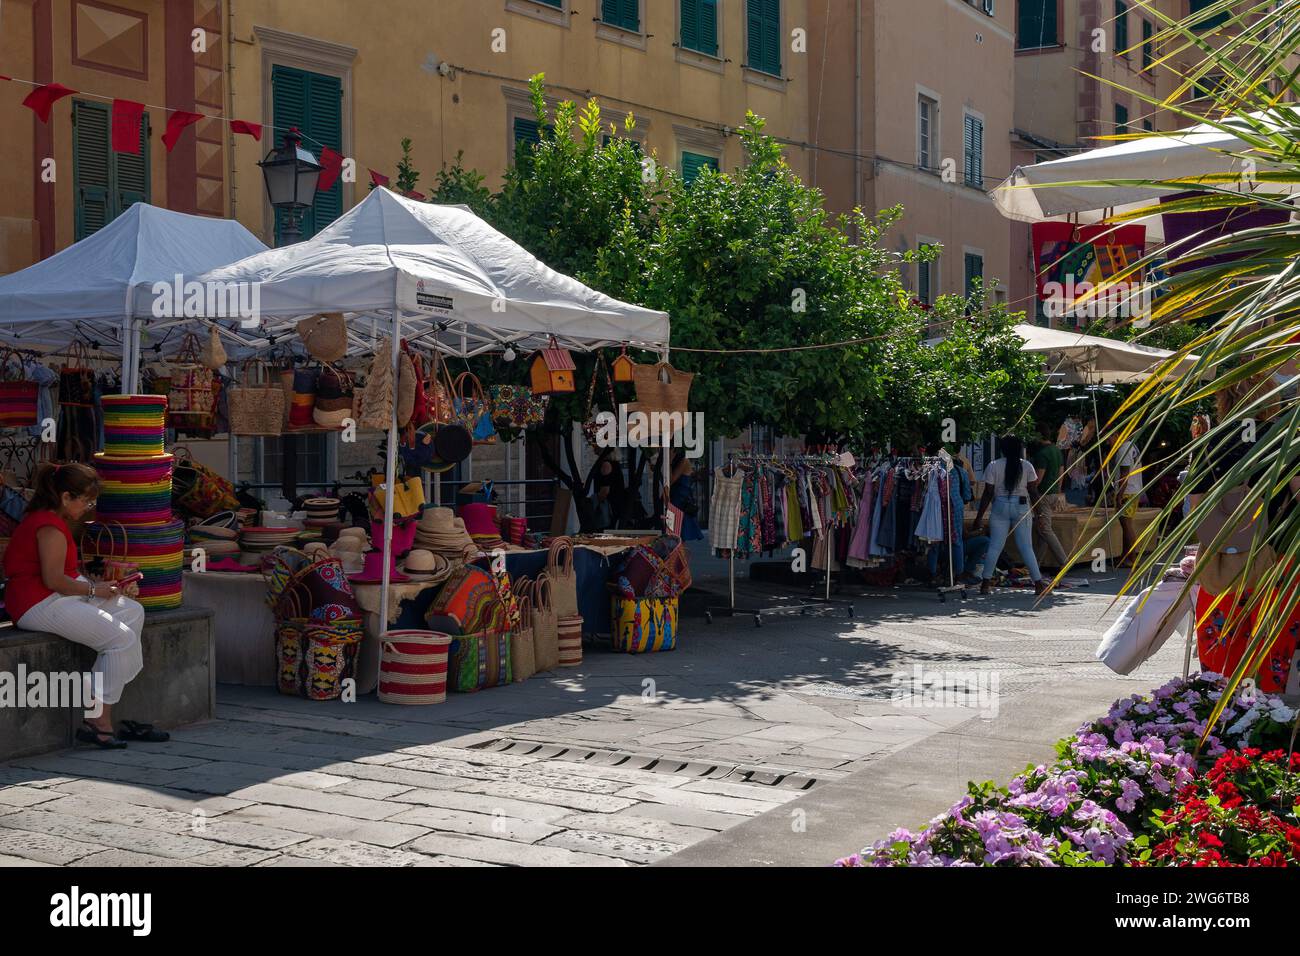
x,y
136,496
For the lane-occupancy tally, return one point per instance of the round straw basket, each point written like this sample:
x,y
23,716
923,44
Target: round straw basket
x,y
413,667
569,632
135,491
158,550
134,425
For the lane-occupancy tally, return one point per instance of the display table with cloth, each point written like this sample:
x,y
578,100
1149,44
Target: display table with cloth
x,y
408,603
1075,527
244,624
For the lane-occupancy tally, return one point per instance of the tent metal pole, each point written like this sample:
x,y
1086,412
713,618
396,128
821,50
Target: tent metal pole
x,y
390,484
128,349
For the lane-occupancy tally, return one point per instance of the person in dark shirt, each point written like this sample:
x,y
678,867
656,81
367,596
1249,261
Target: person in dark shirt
x,y
1049,462
611,492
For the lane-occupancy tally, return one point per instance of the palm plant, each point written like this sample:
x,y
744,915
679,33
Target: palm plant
x,y
1240,290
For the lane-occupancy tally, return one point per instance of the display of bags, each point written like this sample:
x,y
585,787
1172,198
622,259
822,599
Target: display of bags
x,y
324,336
191,400
17,394
644,625
413,667
564,580
546,640
197,490
256,409
568,630
472,408
479,660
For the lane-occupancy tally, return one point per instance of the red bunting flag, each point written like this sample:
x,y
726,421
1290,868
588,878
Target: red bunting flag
x,y
6,77
127,115
378,179
248,129
42,98
332,164
412,194
176,124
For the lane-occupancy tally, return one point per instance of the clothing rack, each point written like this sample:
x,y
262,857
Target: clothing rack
x,y
803,605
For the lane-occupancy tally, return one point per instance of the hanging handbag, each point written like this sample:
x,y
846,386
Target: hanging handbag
x,y
303,399
376,411
18,396
661,388
591,427
564,580
191,400
325,336
213,354
408,500
335,394
256,409
420,406
472,408
405,389
437,390
515,406
77,429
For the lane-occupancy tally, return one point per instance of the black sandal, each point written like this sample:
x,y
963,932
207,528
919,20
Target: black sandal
x,y
145,733
103,739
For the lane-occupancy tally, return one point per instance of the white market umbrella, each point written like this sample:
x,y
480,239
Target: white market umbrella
x,y
1034,194
108,277
1095,360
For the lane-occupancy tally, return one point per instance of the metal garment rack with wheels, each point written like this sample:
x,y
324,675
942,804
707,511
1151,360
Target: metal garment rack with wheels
x,y
802,605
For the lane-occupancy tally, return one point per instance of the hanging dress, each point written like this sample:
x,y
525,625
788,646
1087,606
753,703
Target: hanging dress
x,y
724,512
860,545
930,526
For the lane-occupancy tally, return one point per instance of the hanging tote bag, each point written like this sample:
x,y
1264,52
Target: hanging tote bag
x,y
523,654
591,427
325,336
437,391
335,394
257,409
546,640
17,394
564,580
191,400
661,388
303,399
213,354
77,434
413,667
376,411
515,406
472,408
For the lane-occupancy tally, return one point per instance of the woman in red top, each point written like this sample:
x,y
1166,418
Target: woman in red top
x,y
44,592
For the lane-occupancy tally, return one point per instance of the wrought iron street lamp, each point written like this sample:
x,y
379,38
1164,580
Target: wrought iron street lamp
x,y
291,175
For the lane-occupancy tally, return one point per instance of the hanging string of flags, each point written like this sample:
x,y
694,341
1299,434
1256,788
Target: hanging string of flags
x,y
127,116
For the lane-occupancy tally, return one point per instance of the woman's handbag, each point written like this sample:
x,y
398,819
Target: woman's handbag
x,y
472,408
515,406
335,395
198,490
437,392
18,396
213,353
479,660
191,401
1226,569
644,625
256,409
546,639
564,580
590,426
290,631
376,407
325,336
116,567
661,388
1147,621
523,654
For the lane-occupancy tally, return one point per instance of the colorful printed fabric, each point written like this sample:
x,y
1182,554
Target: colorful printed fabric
x,y
645,625
748,532
1220,644
469,597
479,660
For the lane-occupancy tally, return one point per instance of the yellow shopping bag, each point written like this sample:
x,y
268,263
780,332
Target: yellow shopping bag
x,y
407,501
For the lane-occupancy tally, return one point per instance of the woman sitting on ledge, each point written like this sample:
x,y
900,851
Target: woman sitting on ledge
x,y
45,593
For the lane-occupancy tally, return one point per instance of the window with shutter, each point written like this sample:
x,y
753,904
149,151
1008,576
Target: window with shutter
x,y
104,183
622,13
1121,26
763,40
1148,51
700,26
1036,24
925,282
1121,119
313,102
974,270
973,147
1218,20
925,114
693,163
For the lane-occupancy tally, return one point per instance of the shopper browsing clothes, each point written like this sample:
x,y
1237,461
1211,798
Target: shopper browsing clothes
x,y
1009,480
682,494
45,593
959,493
1049,462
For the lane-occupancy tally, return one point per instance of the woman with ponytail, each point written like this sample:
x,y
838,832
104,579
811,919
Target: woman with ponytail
x,y
1008,483
45,593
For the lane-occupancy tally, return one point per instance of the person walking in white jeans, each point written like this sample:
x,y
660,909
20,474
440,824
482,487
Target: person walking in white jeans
x,y
44,592
1009,482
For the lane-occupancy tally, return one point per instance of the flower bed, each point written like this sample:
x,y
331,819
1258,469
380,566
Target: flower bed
x,y
1128,790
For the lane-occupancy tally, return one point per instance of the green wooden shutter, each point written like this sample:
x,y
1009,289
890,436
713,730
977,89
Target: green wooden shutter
x,y
764,46
131,173
621,13
974,148
974,270
700,26
1148,52
1218,20
527,131
690,14
313,102
692,163
1121,26
92,177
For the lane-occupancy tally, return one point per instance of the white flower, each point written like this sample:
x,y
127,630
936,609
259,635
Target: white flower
x,y
1246,720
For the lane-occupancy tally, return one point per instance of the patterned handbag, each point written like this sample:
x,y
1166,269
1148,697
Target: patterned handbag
x,y
17,394
469,602
191,400
290,629
644,625
590,427
479,660
472,408
515,406
115,567
329,657
197,489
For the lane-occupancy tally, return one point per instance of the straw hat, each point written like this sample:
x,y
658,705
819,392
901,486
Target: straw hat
x,y
437,519
425,565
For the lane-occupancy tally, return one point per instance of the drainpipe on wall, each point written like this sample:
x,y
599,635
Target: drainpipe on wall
x,y
230,109
857,108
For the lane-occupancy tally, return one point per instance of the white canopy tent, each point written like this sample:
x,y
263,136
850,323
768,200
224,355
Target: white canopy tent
x,y
104,282
429,274
1035,194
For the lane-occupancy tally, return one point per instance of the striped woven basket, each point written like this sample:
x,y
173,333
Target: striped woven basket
x,y
135,491
134,425
569,630
413,667
158,550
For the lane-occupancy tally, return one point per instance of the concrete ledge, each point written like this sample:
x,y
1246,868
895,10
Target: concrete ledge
x,y
912,786
177,685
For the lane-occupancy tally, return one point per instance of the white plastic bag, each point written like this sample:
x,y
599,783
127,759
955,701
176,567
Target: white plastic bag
x,y
1142,628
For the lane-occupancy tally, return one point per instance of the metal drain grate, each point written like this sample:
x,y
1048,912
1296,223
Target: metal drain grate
x,y
702,769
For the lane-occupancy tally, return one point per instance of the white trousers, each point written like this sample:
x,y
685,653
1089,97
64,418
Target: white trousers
x,y
110,626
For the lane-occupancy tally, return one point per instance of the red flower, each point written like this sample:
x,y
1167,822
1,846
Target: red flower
x,y
1274,756
1209,840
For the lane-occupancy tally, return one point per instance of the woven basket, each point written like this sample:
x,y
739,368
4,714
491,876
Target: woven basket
x,y
325,336
654,395
191,399
257,409
413,667
135,426
523,652
564,580
546,647
568,631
